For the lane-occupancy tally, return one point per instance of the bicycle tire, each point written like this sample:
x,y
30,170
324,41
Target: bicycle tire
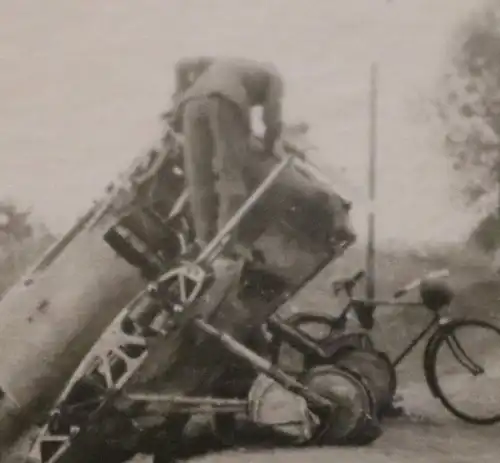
x,y
328,320
432,350
335,328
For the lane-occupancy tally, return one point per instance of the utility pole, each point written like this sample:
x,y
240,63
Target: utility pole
x,y
498,184
372,165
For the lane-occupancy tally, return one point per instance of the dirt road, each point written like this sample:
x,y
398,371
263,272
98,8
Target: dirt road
x,y
428,433
403,443
431,436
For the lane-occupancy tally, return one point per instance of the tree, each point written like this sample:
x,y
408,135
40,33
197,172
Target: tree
x,y
469,104
469,108
14,223
22,241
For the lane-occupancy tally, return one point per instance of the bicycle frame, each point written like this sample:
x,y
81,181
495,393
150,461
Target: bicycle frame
x,y
443,331
413,343
434,323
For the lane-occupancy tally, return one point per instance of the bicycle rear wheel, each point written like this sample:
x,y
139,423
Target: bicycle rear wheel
x,y
462,369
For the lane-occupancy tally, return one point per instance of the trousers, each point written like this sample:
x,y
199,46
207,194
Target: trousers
x,y
217,141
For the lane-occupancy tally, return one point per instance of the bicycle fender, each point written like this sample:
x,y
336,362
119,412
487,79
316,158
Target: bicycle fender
x,y
429,357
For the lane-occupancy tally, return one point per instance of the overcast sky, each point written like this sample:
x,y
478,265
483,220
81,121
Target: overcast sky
x,y
82,83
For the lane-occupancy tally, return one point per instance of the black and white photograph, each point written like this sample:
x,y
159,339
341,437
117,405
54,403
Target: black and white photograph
x,y
249,231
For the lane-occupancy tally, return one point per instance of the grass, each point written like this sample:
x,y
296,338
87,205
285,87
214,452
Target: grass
x,y
477,288
16,256
477,293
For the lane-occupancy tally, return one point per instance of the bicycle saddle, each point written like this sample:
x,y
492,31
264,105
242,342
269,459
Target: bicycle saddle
x,y
436,294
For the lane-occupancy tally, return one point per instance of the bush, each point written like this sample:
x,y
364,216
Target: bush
x,y
22,242
469,108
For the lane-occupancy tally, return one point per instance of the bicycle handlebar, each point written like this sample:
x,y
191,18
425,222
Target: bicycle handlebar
x,y
443,273
364,309
347,284
358,276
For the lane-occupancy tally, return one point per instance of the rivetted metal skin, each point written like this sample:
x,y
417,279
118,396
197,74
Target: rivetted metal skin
x,y
51,318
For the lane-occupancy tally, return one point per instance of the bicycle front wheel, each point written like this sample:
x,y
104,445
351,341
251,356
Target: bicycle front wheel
x,y
462,368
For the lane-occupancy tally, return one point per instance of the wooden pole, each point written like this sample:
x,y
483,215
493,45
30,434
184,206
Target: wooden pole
x,y
372,162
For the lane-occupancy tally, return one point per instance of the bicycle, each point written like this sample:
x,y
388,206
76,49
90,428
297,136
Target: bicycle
x,y
435,296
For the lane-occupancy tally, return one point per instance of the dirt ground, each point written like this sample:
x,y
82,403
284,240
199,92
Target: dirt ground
x,y
404,441
427,432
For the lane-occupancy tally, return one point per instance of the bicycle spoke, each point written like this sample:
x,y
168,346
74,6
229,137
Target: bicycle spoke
x,y
462,370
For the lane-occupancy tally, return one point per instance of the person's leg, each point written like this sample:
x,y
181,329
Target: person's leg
x,y
231,138
198,169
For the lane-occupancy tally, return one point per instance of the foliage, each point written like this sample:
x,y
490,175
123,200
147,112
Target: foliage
x,y
486,234
469,103
22,241
395,267
14,223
